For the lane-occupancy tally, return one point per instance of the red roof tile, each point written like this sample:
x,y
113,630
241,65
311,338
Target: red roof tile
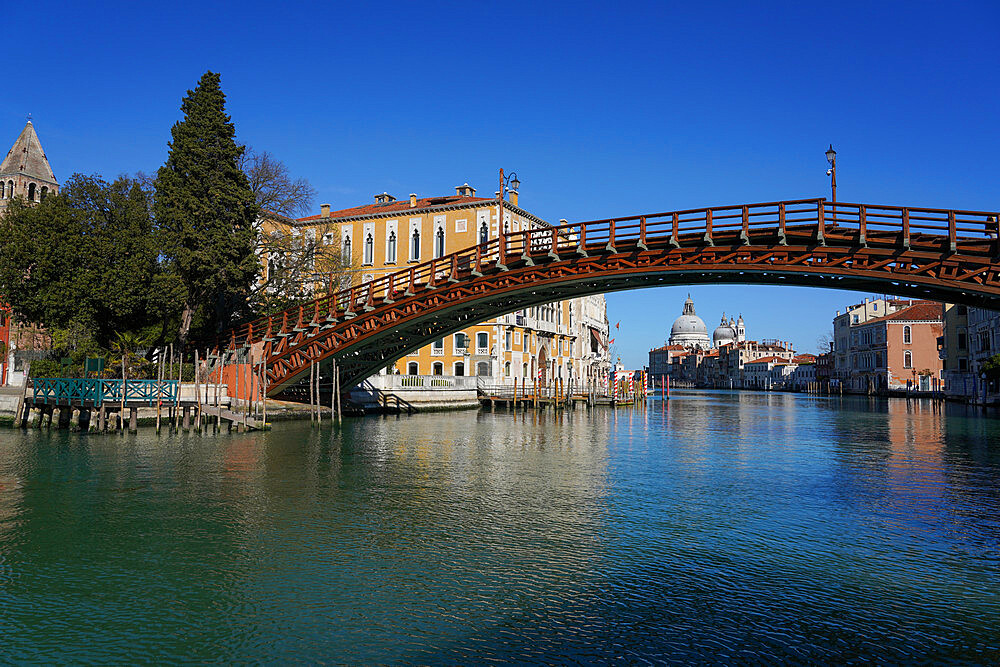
x,y
920,311
399,206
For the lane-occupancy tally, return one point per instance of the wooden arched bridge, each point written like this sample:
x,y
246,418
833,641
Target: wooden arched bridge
x,y
947,255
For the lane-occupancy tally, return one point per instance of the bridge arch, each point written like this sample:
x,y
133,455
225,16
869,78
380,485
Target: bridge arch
x,y
946,255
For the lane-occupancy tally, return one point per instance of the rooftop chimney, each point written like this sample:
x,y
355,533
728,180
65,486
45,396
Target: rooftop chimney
x,y
413,200
324,210
465,190
513,197
384,198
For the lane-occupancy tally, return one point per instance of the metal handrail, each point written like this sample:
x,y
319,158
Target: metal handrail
x,y
99,390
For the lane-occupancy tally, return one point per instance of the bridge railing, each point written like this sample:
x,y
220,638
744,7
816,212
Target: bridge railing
x,y
98,391
812,219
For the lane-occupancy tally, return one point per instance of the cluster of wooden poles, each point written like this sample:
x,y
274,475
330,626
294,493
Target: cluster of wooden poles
x,y
315,405
207,402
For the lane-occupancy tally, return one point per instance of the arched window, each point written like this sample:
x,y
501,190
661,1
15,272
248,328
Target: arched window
x,y
3,187
506,369
347,249
415,245
31,192
439,243
390,249
459,368
412,368
907,335
482,341
484,232
438,368
369,250
10,189
524,370
907,359
45,191
483,368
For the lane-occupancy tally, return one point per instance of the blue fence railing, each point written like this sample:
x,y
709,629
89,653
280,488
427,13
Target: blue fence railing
x,y
98,391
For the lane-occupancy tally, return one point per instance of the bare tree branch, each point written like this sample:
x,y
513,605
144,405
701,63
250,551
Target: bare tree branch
x,y
272,185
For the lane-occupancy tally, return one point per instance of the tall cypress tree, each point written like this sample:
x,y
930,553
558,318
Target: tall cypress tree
x,y
206,209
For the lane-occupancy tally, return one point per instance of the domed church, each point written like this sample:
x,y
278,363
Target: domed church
x,y
689,330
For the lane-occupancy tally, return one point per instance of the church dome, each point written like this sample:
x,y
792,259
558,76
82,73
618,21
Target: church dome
x,y
689,330
724,333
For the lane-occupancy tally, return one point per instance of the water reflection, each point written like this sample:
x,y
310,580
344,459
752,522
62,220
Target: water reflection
x,y
713,526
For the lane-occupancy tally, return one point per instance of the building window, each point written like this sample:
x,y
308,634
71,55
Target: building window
x,y
439,243
2,188
524,370
412,368
31,192
506,369
482,343
907,359
390,249
437,348
962,341
506,340
483,369
347,250
415,245
461,341
437,368
369,250
45,191
907,336
484,232
460,368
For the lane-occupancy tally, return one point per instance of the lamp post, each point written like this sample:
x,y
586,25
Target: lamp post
x,y
505,181
831,157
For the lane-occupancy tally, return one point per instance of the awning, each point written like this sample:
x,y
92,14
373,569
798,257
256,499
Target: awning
x,y
596,337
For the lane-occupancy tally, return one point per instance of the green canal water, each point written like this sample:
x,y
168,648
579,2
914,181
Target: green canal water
x,y
715,527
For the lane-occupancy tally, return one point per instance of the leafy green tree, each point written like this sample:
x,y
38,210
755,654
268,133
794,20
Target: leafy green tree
x,y
84,264
207,210
992,367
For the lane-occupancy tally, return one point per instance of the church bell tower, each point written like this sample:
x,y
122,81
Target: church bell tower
x,y
25,172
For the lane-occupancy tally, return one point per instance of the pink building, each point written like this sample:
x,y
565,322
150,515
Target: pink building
x,y
897,351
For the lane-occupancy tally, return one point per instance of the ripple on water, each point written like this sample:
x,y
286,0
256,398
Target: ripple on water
x,y
715,526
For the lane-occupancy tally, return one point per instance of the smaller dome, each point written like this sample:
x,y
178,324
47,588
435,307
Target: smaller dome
x,y
724,333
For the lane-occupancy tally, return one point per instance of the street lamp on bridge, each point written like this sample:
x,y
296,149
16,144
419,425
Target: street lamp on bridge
x,y
831,157
508,184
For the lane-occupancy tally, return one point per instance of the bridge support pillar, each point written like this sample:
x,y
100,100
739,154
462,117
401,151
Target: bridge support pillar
x,y
186,417
65,417
133,419
83,421
102,419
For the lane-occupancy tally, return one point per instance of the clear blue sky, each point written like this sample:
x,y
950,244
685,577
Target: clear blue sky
x,y
602,109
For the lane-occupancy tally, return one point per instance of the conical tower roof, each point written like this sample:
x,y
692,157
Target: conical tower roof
x,y
27,157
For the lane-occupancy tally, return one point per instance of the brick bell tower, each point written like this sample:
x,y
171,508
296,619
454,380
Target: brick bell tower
x,y
25,172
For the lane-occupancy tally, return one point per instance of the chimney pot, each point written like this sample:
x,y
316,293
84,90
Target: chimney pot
x,y
413,200
324,210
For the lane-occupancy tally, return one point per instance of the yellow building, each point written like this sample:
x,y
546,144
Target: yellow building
x,y
564,339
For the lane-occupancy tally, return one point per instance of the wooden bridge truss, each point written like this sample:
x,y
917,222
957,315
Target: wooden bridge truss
x,y
947,255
